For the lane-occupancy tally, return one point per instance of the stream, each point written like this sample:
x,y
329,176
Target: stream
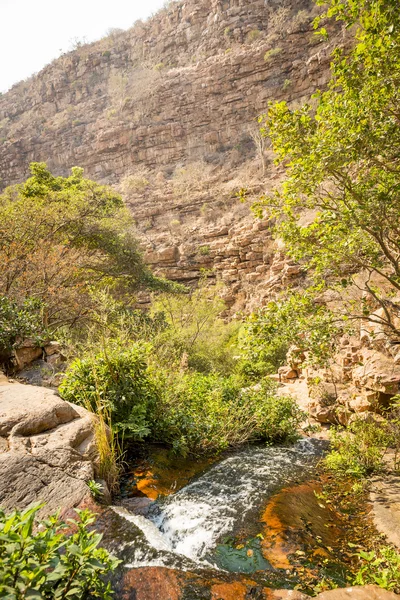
x,y
252,520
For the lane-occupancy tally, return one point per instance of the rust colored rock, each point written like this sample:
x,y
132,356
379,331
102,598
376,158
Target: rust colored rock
x,y
148,583
229,591
287,595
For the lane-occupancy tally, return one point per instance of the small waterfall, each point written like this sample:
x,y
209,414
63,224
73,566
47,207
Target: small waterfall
x,y
184,528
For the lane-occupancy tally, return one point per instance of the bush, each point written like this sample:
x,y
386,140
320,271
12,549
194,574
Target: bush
x,y
253,35
204,250
194,334
19,321
49,563
359,451
295,319
209,413
272,52
380,567
117,381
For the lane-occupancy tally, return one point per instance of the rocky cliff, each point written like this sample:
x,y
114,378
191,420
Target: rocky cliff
x,y
166,111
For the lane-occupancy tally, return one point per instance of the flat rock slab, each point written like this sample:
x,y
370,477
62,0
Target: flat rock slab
x,y
47,449
368,592
385,498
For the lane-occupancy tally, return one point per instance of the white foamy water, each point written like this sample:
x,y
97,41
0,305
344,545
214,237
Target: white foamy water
x,y
190,523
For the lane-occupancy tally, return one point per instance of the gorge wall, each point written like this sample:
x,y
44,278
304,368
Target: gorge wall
x,y
166,113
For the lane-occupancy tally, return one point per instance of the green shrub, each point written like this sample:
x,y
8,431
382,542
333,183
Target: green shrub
x,y
47,563
358,451
194,333
297,318
272,52
120,382
209,413
204,250
380,567
253,35
19,321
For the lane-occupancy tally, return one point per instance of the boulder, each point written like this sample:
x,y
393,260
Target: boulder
x,y
47,449
287,373
378,373
360,404
322,414
26,353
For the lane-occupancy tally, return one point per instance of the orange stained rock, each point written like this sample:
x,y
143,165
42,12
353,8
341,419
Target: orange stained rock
x,y
166,475
274,546
151,583
229,591
149,487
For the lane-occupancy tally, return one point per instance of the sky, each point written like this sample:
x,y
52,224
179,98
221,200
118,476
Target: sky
x,y
34,32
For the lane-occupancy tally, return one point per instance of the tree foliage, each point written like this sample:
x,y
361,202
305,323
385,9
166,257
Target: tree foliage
x,y
296,319
62,236
18,321
338,209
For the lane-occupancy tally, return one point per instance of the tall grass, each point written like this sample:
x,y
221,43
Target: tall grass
x,y
110,454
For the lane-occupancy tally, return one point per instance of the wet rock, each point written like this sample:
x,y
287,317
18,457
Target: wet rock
x,y
48,449
229,591
148,582
137,506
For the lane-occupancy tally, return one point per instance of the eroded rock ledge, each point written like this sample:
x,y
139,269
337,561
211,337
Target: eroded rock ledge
x,y
47,448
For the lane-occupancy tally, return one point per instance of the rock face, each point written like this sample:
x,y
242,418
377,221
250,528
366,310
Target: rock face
x,y
164,111
47,448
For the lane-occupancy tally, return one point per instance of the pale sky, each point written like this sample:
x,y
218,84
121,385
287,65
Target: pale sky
x,y
33,32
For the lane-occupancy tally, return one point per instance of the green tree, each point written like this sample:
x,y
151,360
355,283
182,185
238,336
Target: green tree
x,y
295,319
61,237
339,207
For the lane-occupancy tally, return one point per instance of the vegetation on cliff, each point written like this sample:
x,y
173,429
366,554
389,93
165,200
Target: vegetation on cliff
x,y
338,209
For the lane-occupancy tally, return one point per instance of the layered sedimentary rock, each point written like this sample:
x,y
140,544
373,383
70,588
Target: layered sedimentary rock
x,y
172,99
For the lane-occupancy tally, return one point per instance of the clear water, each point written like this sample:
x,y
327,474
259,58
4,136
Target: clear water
x,y
183,530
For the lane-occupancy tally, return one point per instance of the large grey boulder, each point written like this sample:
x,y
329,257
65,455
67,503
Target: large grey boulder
x,y
47,448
